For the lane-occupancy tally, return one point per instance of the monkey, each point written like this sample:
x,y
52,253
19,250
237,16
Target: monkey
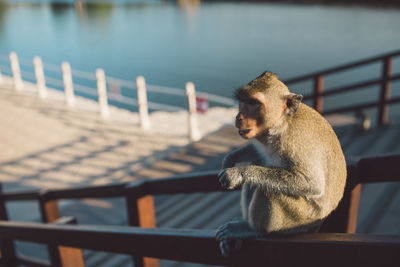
x,y
297,171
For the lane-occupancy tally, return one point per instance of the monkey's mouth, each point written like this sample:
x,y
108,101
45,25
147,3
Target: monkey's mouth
x,y
244,132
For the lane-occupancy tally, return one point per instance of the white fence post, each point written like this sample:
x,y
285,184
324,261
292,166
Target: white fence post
x,y
102,93
68,84
142,101
1,77
40,80
194,133
16,71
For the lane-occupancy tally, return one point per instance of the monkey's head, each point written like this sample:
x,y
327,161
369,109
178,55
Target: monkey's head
x,y
263,104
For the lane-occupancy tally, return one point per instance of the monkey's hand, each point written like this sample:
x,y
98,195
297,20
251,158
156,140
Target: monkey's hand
x,y
235,231
230,178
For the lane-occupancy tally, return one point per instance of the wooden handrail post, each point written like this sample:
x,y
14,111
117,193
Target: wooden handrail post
x,y
102,93
70,257
16,71
318,90
68,84
40,79
383,114
49,213
353,209
7,250
142,102
48,209
141,212
194,133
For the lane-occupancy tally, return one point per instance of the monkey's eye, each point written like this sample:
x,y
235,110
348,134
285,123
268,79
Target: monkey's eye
x,y
253,102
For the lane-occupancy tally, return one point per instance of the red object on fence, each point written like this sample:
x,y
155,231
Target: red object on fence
x,y
202,103
115,88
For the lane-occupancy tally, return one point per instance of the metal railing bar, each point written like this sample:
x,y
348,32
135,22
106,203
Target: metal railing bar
x,y
73,193
359,107
25,62
104,191
122,99
83,74
341,67
28,75
121,82
387,169
187,183
356,86
165,90
353,87
350,88
158,106
394,100
221,99
20,195
352,108
85,89
51,67
53,81
181,92
5,68
121,239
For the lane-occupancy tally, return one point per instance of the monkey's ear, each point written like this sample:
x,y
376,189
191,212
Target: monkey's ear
x,y
292,102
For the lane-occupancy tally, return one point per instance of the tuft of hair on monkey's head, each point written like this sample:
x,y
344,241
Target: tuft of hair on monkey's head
x,y
267,82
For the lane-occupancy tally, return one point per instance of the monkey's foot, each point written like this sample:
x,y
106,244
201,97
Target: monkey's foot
x,y
236,230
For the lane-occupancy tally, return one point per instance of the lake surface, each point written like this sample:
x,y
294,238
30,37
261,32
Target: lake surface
x,y
218,46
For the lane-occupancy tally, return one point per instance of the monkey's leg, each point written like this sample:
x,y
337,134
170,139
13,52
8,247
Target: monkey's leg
x,y
238,230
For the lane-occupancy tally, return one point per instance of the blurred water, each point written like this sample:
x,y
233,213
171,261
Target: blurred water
x,y
218,46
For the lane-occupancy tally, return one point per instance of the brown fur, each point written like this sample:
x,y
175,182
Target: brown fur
x,y
298,173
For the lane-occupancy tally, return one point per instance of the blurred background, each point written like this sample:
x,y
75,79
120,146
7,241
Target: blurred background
x,y
218,45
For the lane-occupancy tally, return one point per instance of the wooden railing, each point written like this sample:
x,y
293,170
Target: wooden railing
x,y
199,245
386,77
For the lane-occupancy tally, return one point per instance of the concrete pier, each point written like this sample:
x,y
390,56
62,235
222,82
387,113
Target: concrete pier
x,y
46,144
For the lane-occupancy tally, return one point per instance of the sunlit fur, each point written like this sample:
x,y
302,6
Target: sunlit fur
x,y
297,170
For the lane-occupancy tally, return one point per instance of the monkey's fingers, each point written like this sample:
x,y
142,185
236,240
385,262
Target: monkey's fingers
x,y
221,175
221,172
221,233
218,234
224,247
223,179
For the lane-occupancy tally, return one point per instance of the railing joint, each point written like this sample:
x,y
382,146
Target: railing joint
x,y
136,189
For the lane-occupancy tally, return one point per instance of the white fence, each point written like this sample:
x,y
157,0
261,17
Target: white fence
x,y
105,89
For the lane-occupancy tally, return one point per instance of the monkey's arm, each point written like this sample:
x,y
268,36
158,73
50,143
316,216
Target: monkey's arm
x,y
273,180
247,153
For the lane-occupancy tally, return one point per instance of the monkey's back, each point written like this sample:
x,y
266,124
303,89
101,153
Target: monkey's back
x,y
310,146
319,142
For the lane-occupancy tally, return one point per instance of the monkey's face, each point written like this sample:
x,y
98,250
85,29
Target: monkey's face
x,y
255,116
